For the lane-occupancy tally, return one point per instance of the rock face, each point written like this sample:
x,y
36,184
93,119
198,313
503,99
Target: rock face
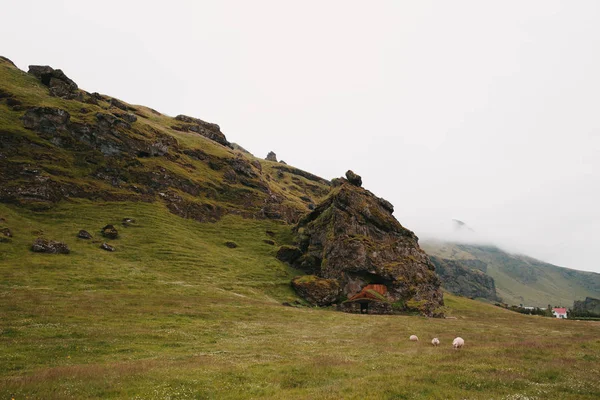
x,y
106,135
206,129
42,245
271,157
59,84
460,277
317,291
352,237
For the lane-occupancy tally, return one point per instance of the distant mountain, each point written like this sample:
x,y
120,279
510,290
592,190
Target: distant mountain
x,y
517,278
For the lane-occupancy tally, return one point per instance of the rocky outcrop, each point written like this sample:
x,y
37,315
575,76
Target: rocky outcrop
x,y
353,178
106,135
84,151
353,238
317,291
42,245
206,129
460,277
271,157
59,84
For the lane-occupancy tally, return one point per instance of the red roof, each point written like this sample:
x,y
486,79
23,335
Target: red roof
x,y
560,310
367,292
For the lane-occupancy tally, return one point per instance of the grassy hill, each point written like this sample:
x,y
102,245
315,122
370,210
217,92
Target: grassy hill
x,y
520,279
175,313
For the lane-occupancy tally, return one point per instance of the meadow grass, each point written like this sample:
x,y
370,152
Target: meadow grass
x,y
176,314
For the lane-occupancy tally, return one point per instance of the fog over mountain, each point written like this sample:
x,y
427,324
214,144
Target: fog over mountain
x,y
477,111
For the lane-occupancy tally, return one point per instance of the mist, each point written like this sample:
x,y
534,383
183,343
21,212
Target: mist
x,y
486,112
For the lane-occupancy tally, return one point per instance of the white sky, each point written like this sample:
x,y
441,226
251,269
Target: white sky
x,y
483,111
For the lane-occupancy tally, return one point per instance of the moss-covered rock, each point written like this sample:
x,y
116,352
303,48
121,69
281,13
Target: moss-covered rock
x,y
109,231
357,241
317,291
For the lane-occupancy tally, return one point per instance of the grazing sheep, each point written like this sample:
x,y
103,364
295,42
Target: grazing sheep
x,y
458,343
435,341
414,338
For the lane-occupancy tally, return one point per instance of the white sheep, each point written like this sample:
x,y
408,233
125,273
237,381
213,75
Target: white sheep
x,y
414,338
458,343
435,341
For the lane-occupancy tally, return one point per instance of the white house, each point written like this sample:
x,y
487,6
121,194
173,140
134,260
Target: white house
x,y
560,312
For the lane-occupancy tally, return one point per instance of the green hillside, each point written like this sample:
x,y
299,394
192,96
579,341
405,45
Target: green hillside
x,y
174,313
190,305
520,279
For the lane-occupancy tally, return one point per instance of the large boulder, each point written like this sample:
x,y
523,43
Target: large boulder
x,y
353,238
353,178
42,245
317,291
60,85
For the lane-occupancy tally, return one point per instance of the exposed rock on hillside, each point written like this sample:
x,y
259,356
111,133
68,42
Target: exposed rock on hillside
x,y
271,157
99,148
42,245
353,178
107,247
460,277
352,237
110,232
60,85
206,129
83,234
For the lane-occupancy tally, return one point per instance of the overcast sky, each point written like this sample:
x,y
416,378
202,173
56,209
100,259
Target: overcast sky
x,y
483,111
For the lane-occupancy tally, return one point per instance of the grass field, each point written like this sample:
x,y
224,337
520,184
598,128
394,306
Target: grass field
x,y
175,314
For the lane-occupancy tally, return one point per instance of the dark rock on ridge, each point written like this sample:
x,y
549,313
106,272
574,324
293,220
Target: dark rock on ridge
x,y
42,245
353,238
353,178
271,157
206,129
60,85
